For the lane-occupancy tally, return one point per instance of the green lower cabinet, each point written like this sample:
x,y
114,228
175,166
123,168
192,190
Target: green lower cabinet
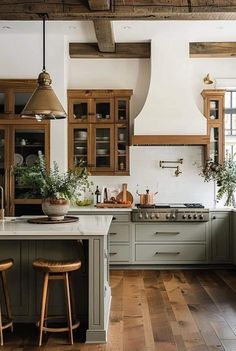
x,y
221,248
18,279
120,243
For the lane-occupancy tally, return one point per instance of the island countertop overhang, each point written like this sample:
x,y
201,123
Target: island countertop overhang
x,y
87,226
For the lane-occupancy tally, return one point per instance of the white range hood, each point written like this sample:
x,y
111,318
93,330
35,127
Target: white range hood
x,y
170,108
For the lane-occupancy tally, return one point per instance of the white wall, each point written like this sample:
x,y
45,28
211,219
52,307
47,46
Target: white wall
x,y
22,58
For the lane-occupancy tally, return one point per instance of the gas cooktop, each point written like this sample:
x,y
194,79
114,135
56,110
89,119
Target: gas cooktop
x,y
172,205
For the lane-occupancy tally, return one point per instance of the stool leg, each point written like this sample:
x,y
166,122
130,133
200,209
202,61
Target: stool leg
x,y
6,295
43,307
1,333
69,318
46,307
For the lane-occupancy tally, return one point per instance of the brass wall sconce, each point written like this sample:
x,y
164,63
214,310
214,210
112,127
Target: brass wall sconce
x,y
207,80
177,169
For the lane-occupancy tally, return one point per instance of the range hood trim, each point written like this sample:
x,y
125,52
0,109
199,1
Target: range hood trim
x,y
153,140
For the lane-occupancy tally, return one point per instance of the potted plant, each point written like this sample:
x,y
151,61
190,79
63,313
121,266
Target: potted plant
x,y
56,189
225,177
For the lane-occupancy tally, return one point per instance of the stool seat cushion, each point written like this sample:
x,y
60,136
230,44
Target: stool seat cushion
x,y
6,264
52,266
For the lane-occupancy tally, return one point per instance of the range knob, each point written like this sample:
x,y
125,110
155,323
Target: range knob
x,y
152,215
195,216
140,215
168,216
173,216
146,215
157,215
201,216
189,216
184,216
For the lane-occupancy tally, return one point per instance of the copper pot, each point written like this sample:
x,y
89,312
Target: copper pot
x,y
147,199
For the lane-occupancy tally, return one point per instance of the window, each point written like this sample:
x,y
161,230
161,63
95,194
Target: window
x,y
230,123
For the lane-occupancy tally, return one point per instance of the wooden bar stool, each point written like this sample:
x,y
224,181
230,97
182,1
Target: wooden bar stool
x,y
56,270
4,266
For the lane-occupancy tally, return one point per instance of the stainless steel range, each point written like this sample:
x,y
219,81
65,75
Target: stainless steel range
x,y
189,212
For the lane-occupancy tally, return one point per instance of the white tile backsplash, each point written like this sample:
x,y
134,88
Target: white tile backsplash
x,y
146,172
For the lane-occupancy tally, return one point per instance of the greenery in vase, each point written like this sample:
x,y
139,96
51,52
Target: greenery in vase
x,y
50,183
225,177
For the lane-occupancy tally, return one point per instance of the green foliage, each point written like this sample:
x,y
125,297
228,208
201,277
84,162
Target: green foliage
x,y
225,177
51,183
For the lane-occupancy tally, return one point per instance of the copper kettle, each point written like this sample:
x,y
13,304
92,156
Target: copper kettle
x,y
147,199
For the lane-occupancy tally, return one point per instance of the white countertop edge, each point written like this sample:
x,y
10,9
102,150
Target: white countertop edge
x,y
79,209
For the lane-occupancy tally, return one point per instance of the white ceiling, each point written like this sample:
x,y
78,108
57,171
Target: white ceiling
x,y
82,31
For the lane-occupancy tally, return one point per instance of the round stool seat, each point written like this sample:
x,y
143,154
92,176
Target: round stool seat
x,y
51,266
6,264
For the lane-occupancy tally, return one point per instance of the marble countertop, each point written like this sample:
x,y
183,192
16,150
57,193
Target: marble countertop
x,y
87,226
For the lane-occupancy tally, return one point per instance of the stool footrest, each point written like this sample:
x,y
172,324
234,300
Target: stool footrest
x,y
61,329
7,324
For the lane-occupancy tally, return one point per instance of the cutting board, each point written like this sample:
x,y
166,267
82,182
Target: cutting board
x,y
108,205
125,195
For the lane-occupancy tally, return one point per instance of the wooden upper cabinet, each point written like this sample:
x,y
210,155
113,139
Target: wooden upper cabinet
x,y
14,94
99,130
214,112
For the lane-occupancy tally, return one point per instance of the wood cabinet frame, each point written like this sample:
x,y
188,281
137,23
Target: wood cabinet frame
x,y
92,124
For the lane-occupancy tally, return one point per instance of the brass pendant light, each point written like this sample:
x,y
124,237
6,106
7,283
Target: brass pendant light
x,y
43,103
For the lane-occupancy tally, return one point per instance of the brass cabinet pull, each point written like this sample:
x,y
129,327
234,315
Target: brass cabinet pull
x,y
174,233
167,253
113,233
112,253
114,218
213,217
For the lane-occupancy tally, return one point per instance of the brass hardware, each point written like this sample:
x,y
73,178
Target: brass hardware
x,y
207,79
177,171
114,218
2,203
214,217
174,233
167,253
113,233
112,253
43,103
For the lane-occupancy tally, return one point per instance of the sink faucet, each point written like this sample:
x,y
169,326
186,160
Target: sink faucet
x,y
2,203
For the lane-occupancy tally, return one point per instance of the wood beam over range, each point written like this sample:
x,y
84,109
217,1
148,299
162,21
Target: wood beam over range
x,y
104,34
123,50
120,9
212,49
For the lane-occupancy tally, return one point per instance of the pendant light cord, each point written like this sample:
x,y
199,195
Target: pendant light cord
x,y
44,19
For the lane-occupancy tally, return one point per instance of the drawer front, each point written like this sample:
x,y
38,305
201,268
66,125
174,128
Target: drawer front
x,y
175,253
170,232
121,218
119,232
119,253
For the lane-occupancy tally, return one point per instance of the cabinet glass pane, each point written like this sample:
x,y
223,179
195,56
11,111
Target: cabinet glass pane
x,y
80,148
122,110
27,145
2,102
122,147
103,110
103,157
214,109
214,144
80,110
20,101
2,158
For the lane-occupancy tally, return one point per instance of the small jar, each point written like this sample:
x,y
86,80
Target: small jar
x,y
121,166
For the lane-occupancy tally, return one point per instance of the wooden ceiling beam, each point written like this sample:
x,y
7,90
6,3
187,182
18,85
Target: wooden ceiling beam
x,y
99,5
104,34
120,9
123,50
212,49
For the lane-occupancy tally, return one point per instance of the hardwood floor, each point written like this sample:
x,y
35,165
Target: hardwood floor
x,y
190,310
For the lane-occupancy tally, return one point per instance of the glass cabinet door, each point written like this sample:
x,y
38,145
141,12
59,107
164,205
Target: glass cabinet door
x,y
103,139
214,109
215,147
80,146
121,148
20,100
4,170
122,109
27,145
79,110
104,110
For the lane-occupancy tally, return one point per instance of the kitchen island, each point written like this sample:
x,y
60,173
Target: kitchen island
x,y
86,239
